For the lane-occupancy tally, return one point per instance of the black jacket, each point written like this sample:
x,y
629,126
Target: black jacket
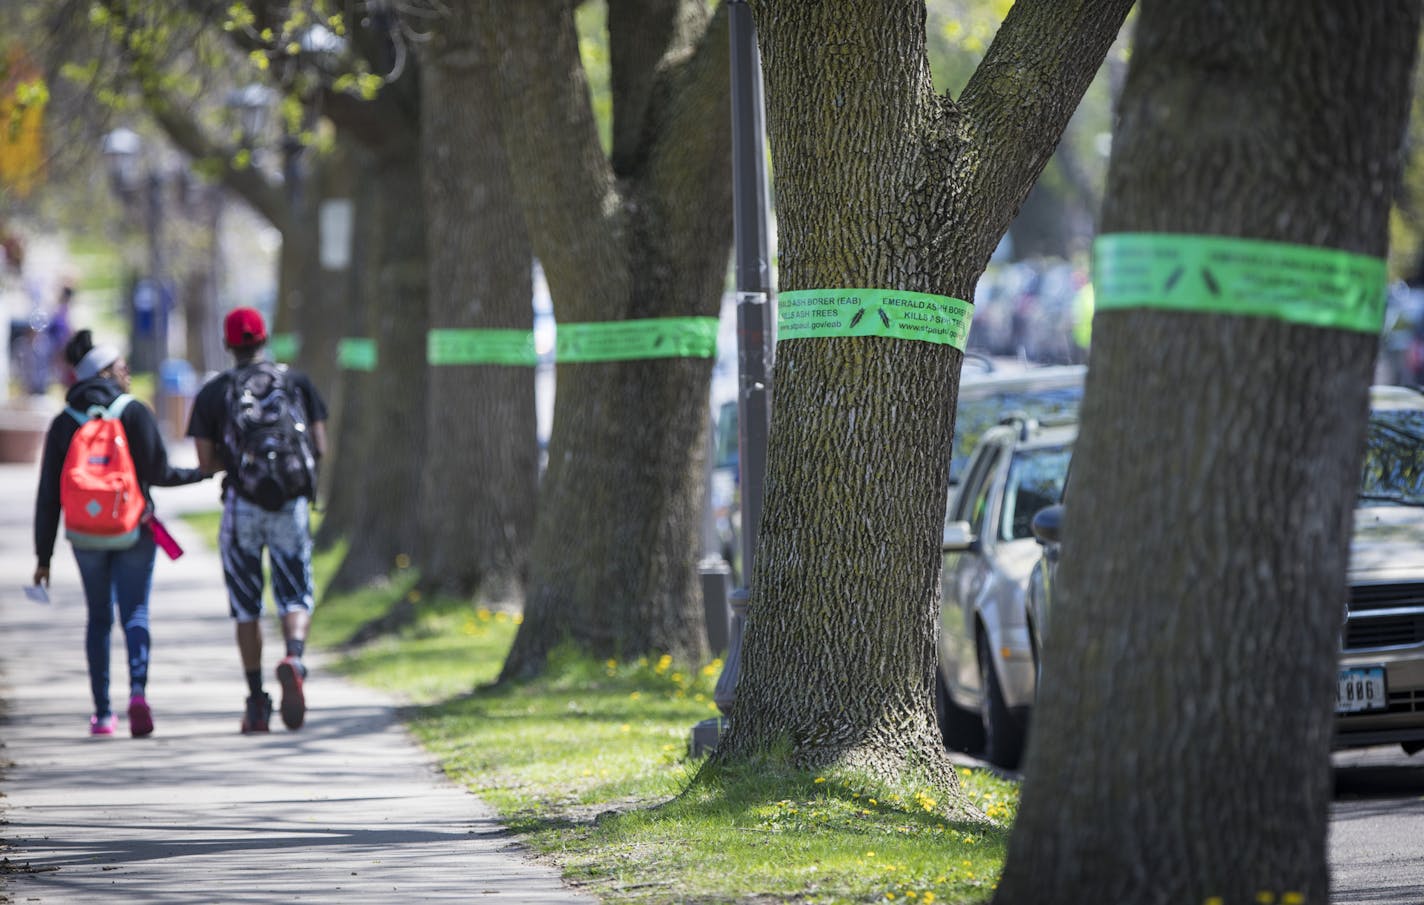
x,y
145,444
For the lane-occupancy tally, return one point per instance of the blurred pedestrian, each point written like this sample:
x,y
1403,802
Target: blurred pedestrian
x,y
58,332
115,571
264,426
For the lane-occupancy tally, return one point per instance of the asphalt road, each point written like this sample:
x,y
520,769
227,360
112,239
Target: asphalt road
x,y
1377,828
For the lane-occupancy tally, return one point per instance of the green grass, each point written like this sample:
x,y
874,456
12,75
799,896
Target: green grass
x,y
589,764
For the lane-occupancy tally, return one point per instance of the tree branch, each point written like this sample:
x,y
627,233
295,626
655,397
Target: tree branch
x,y
565,184
264,195
641,34
1020,98
688,170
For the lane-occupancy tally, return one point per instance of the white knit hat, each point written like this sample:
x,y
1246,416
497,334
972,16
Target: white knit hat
x,y
95,360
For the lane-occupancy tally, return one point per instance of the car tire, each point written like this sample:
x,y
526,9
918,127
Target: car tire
x,y
961,729
1003,734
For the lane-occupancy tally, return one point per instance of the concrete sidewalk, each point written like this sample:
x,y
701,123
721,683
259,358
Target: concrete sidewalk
x,y
348,809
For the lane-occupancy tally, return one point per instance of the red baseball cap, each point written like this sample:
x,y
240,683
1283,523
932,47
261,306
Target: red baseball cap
x,y
244,327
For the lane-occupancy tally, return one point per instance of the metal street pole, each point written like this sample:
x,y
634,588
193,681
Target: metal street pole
x,y
755,322
154,217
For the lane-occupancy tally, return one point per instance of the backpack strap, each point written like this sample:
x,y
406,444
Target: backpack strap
x,y
114,409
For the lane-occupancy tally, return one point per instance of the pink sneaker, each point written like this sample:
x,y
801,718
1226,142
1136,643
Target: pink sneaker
x,y
103,725
140,717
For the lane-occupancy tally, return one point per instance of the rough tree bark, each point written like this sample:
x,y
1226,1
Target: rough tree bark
x,y
481,479
881,184
390,433
647,234
347,461
1213,484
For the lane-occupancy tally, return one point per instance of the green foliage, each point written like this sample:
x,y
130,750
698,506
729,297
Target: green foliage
x,y
592,22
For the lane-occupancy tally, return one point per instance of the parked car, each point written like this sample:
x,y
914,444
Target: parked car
x,y
1380,692
988,663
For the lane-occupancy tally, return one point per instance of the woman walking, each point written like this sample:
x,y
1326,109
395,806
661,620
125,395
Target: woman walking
x,y
114,571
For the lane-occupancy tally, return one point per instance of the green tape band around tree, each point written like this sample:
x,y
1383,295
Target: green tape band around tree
x,y
284,346
356,353
654,337
480,347
1300,284
806,313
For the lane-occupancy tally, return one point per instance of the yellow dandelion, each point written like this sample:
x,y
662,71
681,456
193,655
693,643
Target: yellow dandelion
x,y
625,728
633,696
928,897
1292,898
611,664
820,779
402,561
873,802
870,854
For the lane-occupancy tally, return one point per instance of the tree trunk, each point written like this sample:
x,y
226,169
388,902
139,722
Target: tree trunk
x,y
880,184
614,558
347,463
1180,751
333,301
613,565
481,479
390,398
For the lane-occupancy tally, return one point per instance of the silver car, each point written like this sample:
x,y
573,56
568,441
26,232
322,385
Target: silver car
x,y
1380,692
988,662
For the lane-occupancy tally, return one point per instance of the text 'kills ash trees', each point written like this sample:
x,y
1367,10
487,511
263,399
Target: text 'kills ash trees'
x,y
1207,528
643,233
880,183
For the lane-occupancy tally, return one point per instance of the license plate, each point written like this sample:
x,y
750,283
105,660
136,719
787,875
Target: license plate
x,y
1360,689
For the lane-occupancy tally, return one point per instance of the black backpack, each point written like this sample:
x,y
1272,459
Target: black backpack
x,y
267,438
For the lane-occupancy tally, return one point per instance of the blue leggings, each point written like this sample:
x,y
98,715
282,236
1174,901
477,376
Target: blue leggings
x,y
122,577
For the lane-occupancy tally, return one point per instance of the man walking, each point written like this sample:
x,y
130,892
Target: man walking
x,y
265,427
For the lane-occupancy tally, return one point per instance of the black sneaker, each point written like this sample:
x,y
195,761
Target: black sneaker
x,y
291,672
258,715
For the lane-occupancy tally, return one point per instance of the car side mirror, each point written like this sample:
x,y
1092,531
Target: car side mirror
x,y
1047,523
959,538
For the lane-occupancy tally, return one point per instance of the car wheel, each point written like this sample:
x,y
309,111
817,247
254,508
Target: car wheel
x,y
1003,735
962,729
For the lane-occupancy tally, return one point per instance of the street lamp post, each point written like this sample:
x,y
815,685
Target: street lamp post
x,y
123,151
755,320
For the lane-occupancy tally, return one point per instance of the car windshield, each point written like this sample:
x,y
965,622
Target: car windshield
x,y
1393,473
1036,478
975,416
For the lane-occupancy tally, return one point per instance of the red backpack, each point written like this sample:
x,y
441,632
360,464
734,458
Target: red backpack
x,y
98,488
